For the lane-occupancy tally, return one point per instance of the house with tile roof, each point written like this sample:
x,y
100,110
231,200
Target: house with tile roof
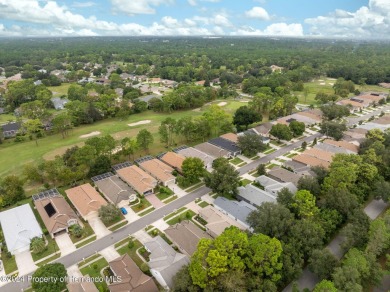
x,y
186,236
138,179
173,159
343,144
164,261
159,170
284,175
192,152
230,136
311,160
132,279
86,199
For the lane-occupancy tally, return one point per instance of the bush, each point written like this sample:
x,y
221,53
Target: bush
x,y
188,215
131,244
95,266
144,267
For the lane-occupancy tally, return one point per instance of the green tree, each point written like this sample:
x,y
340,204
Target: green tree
x,y
34,110
356,231
166,131
250,144
333,129
62,123
34,129
305,204
144,139
310,184
325,286
11,190
193,169
334,111
322,263
244,116
54,272
37,245
76,92
76,230
224,180
109,213
102,164
297,128
217,119
261,169
129,146
182,281
282,132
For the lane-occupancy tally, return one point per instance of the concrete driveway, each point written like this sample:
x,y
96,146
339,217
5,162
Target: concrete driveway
x,y
97,225
110,253
156,203
25,262
65,244
374,208
73,271
131,216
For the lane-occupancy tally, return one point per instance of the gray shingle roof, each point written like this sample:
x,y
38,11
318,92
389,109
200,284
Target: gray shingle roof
x,y
239,210
254,196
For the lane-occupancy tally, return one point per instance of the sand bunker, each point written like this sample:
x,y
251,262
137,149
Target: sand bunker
x,y
139,123
244,100
95,133
222,103
322,83
331,84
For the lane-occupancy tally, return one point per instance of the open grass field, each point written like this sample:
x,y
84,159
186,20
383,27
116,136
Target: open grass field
x,y
15,155
60,90
325,85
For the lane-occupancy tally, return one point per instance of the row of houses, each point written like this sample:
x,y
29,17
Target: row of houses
x,y
363,100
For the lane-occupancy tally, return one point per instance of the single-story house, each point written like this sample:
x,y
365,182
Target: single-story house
x,y
186,236
113,188
230,136
212,150
374,125
132,279
273,187
331,148
85,199
173,159
83,284
383,120
147,98
311,160
355,134
254,196
164,261
239,211
297,167
192,152
228,145
59,103
19,226
284,175
56,213
320,154
263,129
369,97
305,118
11,129
264,139
159,170
354,105
343,144
217,222
138,179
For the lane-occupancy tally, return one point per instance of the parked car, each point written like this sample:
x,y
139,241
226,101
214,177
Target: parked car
x,y
123,210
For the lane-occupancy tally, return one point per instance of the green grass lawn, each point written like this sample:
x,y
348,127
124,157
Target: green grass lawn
x,y
170,199
61,90
52,258
132,251
272,165
9,263
141,206
193,188
93,270
164,195
236,161
52,247
269,151
87,231
203,204
5,118
146,212
89,259
181,217
245,182
291,155
174,213
85,242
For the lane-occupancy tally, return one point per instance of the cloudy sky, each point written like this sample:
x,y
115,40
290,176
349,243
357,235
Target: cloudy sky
x,y
326,18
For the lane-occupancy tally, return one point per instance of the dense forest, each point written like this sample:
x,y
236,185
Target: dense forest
x,y
188,59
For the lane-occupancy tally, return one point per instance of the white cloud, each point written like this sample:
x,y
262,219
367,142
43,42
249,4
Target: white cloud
x,y
275,29
132,7
368,21
192,2
257,12
221,20
83,4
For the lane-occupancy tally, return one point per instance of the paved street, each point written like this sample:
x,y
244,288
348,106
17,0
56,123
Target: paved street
x,y
108,240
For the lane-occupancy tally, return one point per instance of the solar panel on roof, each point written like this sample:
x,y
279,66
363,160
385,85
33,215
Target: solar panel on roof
x,y
122,165
161,155
50,209
180,148
143,159
102,176
46,194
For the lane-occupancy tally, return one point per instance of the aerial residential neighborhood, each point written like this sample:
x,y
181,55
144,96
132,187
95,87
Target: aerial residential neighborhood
x,y
194,146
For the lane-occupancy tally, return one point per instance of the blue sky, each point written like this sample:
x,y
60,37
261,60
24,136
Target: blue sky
x,y
323,18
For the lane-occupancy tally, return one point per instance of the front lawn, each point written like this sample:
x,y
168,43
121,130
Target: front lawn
x,y
87,231
164,193
245,181
174,213
93,270
9,263
203,204
51,248
141,206
269,151
183,216
236,161
131,251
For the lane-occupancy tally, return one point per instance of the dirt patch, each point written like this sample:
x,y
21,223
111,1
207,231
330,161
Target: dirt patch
x,y
95,133
139,123
322,83
197,109
222,103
